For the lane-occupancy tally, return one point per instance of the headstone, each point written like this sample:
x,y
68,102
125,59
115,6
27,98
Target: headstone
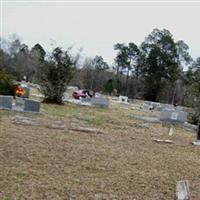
x,y
167,107
182,190
6,102
153,105
86,100
197,142
31,105
173,116
19,104
145,106
26,92
25,87
198,132
100,101
19,101
159,108
171,131
123,99
179,108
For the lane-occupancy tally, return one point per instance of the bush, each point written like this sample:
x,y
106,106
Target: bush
x,y
7,84
54,76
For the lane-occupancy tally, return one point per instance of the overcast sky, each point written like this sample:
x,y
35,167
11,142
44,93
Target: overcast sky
x,y
97,26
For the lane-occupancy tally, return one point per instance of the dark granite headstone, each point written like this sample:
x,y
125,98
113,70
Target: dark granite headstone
x,y
198,132
31,105
197,142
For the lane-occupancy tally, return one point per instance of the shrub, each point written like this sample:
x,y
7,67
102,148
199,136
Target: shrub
x,y
54,75
7,84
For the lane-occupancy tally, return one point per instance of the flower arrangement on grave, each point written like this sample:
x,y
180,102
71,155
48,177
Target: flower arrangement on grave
x,y
19,91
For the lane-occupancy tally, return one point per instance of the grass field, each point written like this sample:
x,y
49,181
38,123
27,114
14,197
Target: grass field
x,y
118,160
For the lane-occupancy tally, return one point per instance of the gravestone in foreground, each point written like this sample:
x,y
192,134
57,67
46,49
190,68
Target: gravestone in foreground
x,y
19,104
6,102
31,105
182,190
173,116
100,101
19,101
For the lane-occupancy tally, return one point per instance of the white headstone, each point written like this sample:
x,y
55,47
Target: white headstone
x,y
182,190
123,99
171,131
146,106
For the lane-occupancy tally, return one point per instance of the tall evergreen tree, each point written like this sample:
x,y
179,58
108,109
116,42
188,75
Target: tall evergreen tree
x,y
163,58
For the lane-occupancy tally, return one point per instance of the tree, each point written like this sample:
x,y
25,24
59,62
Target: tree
x,y
18,60
192,90
94,73
108,87
7,84
163,58
38,52
122,63
99,64
55,74
126,59
38,56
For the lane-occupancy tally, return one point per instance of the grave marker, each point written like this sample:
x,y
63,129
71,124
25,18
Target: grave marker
x,y
146,106
182,190
6,102
197,142
100,101
19,101
123,99
173,116
27,92
31,105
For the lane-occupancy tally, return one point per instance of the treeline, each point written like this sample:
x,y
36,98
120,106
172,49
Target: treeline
x,y
152,71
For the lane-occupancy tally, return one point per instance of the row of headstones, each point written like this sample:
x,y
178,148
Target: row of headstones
x,y
180,117
21,104
168,113
149,105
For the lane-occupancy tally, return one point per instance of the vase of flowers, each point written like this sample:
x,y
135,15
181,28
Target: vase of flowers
x,y
19,92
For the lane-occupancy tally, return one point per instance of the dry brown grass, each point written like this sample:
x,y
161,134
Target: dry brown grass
x,y
121,163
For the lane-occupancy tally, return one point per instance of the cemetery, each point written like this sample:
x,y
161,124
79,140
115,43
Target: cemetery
x,y
94,107
105,145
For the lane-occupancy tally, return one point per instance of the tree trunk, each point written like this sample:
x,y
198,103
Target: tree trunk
x,y
127,78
